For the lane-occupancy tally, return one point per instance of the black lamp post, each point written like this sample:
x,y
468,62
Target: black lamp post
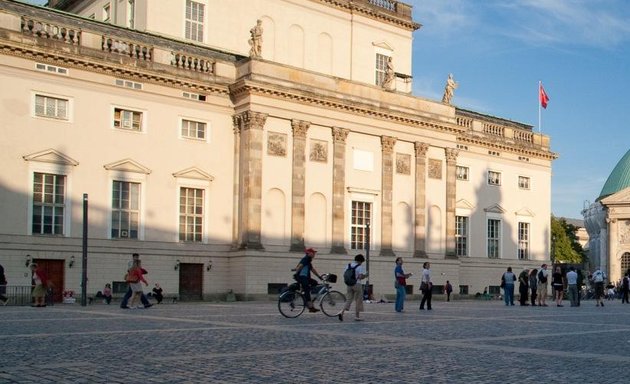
x,y
366,246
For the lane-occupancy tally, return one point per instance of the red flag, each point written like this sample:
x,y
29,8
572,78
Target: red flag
x,y
542,96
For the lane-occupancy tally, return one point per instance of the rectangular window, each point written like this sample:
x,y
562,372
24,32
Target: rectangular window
x,y
361,214
107,10
461,235
381,68
48,203
461,172
193,129
52,107
494,238
523,182
191,214
494,178
194,20
523,241
125,210
126,119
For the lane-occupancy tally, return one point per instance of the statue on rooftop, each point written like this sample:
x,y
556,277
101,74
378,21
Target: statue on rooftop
x,y
388,80
449,89
255,42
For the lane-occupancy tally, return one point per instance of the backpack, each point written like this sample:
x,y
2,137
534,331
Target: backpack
x,y
349,276
598,277
541,277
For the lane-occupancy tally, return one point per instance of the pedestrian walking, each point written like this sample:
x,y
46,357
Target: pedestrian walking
x,y
40,285
543,276
625,288
400,283
354,291
572,277
557,282
143,298
448,289
507,283
523,286
135,279
533,285
426,286
3,287
598,282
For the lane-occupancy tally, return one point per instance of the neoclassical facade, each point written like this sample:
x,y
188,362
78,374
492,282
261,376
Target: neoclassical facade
x,y
607,222
219,139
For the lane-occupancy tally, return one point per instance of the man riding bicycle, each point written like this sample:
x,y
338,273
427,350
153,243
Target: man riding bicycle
x,y
303,276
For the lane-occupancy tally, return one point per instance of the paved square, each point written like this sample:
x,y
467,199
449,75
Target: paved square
x,y
250,342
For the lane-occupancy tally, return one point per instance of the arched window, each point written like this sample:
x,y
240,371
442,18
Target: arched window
x,y
625,263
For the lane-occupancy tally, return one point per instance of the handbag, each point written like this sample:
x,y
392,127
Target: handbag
x,y
503,281
424,286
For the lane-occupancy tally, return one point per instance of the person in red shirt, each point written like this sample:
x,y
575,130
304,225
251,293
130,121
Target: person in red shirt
x,y
40,283
135,277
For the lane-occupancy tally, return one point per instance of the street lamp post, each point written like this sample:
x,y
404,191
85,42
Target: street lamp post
x,y
366,246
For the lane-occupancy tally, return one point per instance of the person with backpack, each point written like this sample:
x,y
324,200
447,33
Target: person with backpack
x,y
598,281
507,283
543,276
352,276
303,276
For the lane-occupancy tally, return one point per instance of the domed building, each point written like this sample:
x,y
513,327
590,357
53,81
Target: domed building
x,y
607,221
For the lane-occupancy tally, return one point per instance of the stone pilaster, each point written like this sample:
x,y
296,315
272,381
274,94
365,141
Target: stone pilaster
x,y
387,185
339,184
250,178
237,191
421,205
298,190
451,189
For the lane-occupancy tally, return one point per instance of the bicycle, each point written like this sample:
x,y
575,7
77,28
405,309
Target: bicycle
x,y
291,302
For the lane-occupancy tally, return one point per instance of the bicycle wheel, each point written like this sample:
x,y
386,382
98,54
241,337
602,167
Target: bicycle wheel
x,y
291,304
332,303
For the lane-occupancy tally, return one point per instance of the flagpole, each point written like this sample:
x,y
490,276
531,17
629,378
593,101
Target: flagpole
x,y
539,114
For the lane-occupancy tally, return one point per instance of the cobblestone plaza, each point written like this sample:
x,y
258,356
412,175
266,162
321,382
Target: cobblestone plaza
x,y
250,342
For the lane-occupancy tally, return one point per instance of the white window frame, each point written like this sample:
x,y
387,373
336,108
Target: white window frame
x,y
132,178
462,173
494,181
187,120
524,242
186,216
459,236
189,23
122,123
49,96
57,169
497,240
51,69
380,67
524,182
184,182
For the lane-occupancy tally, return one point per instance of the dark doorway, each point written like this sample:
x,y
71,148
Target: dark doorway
x,y
190,282
55,271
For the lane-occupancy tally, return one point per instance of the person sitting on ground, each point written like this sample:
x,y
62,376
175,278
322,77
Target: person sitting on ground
x,y
107,293
158,293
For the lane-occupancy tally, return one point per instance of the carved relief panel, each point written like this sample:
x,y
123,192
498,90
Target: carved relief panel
x,y
319,151
435,169
403,163
624,231
277,144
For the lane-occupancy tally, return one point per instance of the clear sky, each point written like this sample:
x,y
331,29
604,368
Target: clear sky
x,y
498,50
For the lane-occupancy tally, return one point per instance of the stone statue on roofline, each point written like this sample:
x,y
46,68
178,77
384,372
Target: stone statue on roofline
x,y
449,89
255,42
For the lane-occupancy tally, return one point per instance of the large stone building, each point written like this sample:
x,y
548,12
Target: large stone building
x,y
220,138
607,221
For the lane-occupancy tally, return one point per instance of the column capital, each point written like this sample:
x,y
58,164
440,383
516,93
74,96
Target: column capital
x,y
451,154
300,128
387,144
421,149
340,135
249,120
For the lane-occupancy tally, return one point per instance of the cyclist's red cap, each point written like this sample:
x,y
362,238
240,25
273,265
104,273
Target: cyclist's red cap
x,y
310,250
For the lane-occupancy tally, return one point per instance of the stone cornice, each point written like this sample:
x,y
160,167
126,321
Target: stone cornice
x,y
83,62
244,88
363,7
497,145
